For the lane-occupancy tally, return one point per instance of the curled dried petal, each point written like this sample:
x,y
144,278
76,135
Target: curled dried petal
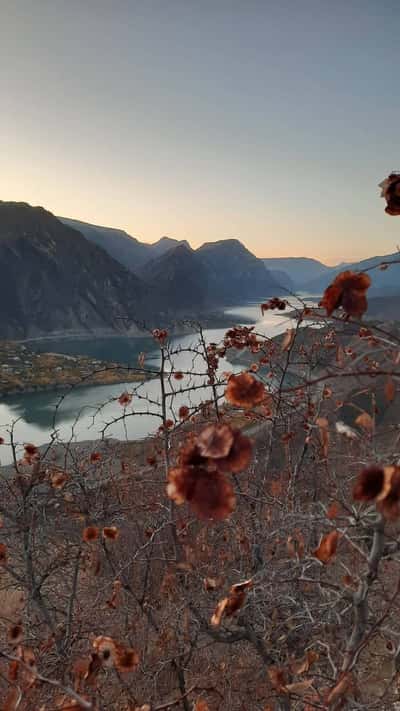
x,y
125,399
90,534
215,441
208,492
348,290
327,547
244,390
369,484
111,533
391,193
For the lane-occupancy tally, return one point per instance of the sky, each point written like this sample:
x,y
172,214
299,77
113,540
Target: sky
x,y
271,121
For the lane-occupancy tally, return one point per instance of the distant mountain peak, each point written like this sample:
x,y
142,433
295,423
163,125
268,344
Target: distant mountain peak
x,y
168,242
164,239
225,244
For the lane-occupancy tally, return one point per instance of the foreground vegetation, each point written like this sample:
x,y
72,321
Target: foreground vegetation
x,y
230,564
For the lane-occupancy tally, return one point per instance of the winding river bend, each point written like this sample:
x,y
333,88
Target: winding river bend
x,y
83,413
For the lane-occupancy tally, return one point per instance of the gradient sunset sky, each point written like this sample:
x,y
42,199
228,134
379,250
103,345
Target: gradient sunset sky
x,y
267,120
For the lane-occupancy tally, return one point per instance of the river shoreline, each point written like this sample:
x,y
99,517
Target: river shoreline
x,y
181,327
23,370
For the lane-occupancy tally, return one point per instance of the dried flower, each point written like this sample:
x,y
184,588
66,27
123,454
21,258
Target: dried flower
x,y
199,477
183,412
90,534
381,485
114,654
3,554
369,483
105,647
274,303
208,492
348,290
15,634
239,455
31,453
160,335
111,533
215,441
30,449
125,399
391,193
244,390
58,479
126,659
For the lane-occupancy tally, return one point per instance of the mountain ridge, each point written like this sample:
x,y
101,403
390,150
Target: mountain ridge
x,y
48,284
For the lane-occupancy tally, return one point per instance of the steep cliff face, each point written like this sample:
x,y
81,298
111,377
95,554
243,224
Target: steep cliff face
x,y
234,272
127,250
54,280
120,245
215,274
180,279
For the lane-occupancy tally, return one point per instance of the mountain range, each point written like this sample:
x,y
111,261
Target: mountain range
x,y
300,270
127,250
287,273
66,277
61,280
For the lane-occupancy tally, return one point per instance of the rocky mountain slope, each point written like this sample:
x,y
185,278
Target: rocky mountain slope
x,y
216,273
127,250
56,281
180,279
234,272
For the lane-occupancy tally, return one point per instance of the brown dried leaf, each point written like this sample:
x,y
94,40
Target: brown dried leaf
x,y
218,612
301,666
200,705
12,700
333,511
327,547
365,421
277,677
342,688
231,604
323,427
390,390
299,687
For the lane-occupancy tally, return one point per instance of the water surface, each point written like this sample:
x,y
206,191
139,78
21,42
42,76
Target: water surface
x,y
88,412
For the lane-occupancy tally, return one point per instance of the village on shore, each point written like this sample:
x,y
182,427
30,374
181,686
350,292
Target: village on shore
x,y
23,370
